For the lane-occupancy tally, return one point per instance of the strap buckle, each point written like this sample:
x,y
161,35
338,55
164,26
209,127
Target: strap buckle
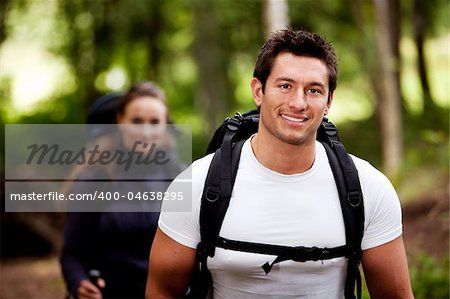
x,y
354,198
233,123
330,130
212,193
303,254
202,256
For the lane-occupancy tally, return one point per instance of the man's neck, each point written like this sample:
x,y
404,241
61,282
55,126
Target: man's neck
x,y
282,157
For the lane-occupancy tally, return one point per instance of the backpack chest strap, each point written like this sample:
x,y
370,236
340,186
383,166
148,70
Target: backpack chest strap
x,y
285,253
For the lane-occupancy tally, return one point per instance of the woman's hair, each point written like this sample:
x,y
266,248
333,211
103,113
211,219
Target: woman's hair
x,y
300,43
143,89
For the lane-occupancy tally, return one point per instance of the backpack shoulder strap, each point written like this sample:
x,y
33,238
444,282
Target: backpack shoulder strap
x,y
221,176
216,195
351,198
213,207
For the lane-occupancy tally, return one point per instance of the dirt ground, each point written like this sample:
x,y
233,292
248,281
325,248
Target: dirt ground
x,y
426,229
31,278
426,226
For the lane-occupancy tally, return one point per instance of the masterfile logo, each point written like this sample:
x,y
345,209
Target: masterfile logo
x,y
53,154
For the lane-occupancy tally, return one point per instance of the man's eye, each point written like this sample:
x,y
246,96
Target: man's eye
x,y
314,91
285,86
137,121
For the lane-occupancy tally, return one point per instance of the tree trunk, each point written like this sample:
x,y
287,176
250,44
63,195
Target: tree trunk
x,y
395,33
210,53
365,50
276,15
390,114
4,6
155,24
82,49
419,37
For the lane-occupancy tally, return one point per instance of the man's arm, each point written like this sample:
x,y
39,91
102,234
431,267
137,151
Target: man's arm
x,y
386,270
170,268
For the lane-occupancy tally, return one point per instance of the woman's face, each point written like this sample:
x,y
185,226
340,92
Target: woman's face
x,y
143,123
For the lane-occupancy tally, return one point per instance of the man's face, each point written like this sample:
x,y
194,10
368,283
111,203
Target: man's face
x,y
295,99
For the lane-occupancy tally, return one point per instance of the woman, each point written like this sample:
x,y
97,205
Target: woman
x,y
116,243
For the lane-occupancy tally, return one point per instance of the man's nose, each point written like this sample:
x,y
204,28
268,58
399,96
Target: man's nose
x,y
298,101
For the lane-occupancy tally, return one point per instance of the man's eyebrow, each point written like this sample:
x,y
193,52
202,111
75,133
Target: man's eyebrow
x,y
317,83
284,79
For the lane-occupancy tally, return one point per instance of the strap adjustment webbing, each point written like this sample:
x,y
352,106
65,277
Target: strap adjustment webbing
x,y
285,253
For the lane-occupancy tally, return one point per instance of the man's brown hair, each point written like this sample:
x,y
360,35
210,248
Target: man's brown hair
x,y
300,43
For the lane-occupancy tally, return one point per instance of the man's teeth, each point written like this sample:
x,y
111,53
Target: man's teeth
x,y
299,120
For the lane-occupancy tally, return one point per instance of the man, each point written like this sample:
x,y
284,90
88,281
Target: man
x,y
285,194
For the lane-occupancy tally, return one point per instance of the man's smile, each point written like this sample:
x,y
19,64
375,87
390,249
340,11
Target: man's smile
x,y
297,119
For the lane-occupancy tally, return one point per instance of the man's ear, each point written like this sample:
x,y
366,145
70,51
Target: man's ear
x,y
257,91
329,101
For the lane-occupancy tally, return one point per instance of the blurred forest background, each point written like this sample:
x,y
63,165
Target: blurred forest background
x,y
391,104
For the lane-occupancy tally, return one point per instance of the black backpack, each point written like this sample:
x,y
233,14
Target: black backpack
x,y
227,144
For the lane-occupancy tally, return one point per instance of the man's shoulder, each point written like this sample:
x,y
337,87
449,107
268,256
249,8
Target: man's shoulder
x,y
202,163
198,170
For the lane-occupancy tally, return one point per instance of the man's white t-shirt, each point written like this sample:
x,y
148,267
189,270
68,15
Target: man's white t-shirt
x,y
291,210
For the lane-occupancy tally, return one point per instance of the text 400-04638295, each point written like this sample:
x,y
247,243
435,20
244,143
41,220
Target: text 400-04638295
x,y
155,195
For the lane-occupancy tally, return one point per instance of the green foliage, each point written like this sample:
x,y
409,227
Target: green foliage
x,y
362,139
430,278
365,291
